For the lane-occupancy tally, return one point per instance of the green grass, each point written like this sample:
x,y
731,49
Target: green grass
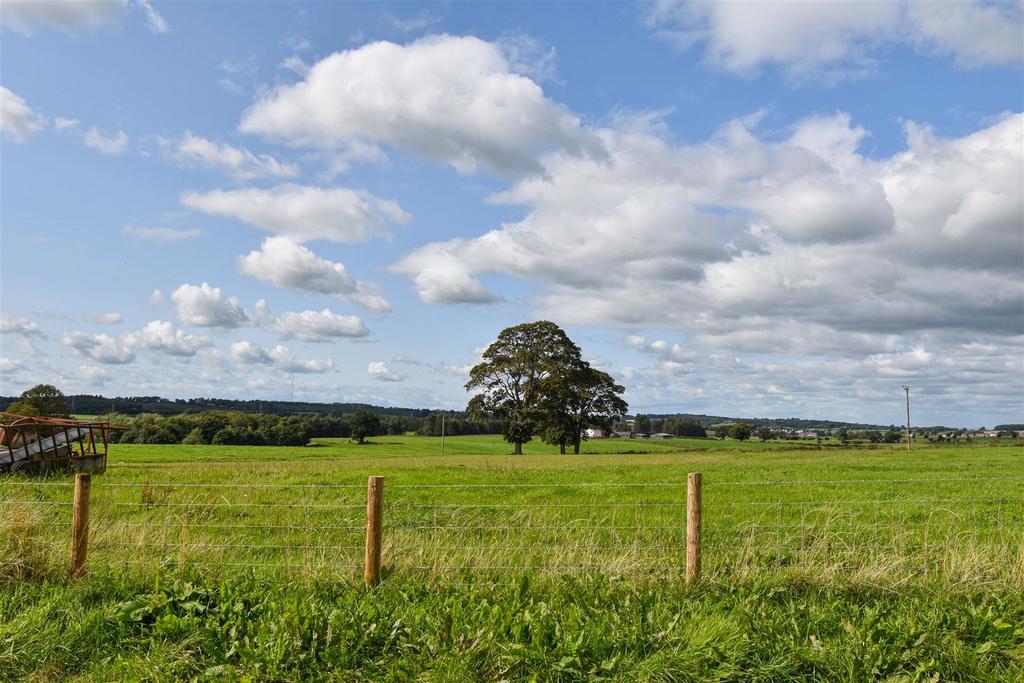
x,y
565,630
831,564
416,446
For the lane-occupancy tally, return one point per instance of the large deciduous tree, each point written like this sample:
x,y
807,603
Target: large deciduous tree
x,y
534,379
514,374
43,400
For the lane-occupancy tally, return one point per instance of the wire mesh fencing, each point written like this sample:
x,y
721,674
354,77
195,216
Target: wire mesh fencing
x,y
956,528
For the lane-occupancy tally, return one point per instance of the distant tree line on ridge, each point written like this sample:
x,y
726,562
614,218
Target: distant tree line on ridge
x,y
87,404
244,429
677,426
237,428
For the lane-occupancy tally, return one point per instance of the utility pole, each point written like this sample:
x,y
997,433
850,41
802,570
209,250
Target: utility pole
x,y
442,433
906,388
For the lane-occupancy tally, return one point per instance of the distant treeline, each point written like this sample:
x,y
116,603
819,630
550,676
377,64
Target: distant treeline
x,y
85,404
240,429
223,427
790,423
231,427
677,426
455,424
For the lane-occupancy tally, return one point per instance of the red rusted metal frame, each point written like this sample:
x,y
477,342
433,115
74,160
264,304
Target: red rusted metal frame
x,y
31,429
81,444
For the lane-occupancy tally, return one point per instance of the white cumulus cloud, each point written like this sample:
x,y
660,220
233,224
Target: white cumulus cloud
x,y
63,124
285,360
442,277
292,266
454,100
280,357
70,15
17,120
840,36
161,336
742,231
380,371
247,353
22,15
206,306
20,326
977,33
304,213
115,143
239,162
101,348
311,326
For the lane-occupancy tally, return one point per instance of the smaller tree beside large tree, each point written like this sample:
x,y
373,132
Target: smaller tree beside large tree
x,y
577,398
596,402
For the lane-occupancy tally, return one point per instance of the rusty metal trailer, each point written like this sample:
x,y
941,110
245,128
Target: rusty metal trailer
x,y
51,444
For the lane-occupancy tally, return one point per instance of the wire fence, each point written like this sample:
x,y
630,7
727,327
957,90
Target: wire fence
x,y
956,528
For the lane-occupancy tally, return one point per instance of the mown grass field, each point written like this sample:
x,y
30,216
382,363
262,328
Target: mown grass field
x,y
224,562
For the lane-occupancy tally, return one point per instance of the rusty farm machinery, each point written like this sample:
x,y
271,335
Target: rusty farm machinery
x,y
52,444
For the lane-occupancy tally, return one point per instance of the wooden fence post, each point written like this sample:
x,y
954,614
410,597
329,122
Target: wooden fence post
x,y
693,512
374,527
80,524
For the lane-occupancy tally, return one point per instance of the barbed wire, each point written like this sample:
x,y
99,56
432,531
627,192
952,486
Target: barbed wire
x,y
869,526
66,503
670,484
857,481
229,504
249,546
520,567
866,501
813,545
290,527
565,527
485,536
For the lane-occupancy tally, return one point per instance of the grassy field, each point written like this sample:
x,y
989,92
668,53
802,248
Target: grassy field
x,y
232,562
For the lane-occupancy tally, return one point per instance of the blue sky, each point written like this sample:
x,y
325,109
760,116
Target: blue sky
x,y
766,209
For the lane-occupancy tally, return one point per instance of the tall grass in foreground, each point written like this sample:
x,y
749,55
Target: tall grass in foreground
x,y
178,625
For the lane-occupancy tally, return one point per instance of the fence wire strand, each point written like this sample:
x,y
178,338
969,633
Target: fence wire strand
x,y
175,522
